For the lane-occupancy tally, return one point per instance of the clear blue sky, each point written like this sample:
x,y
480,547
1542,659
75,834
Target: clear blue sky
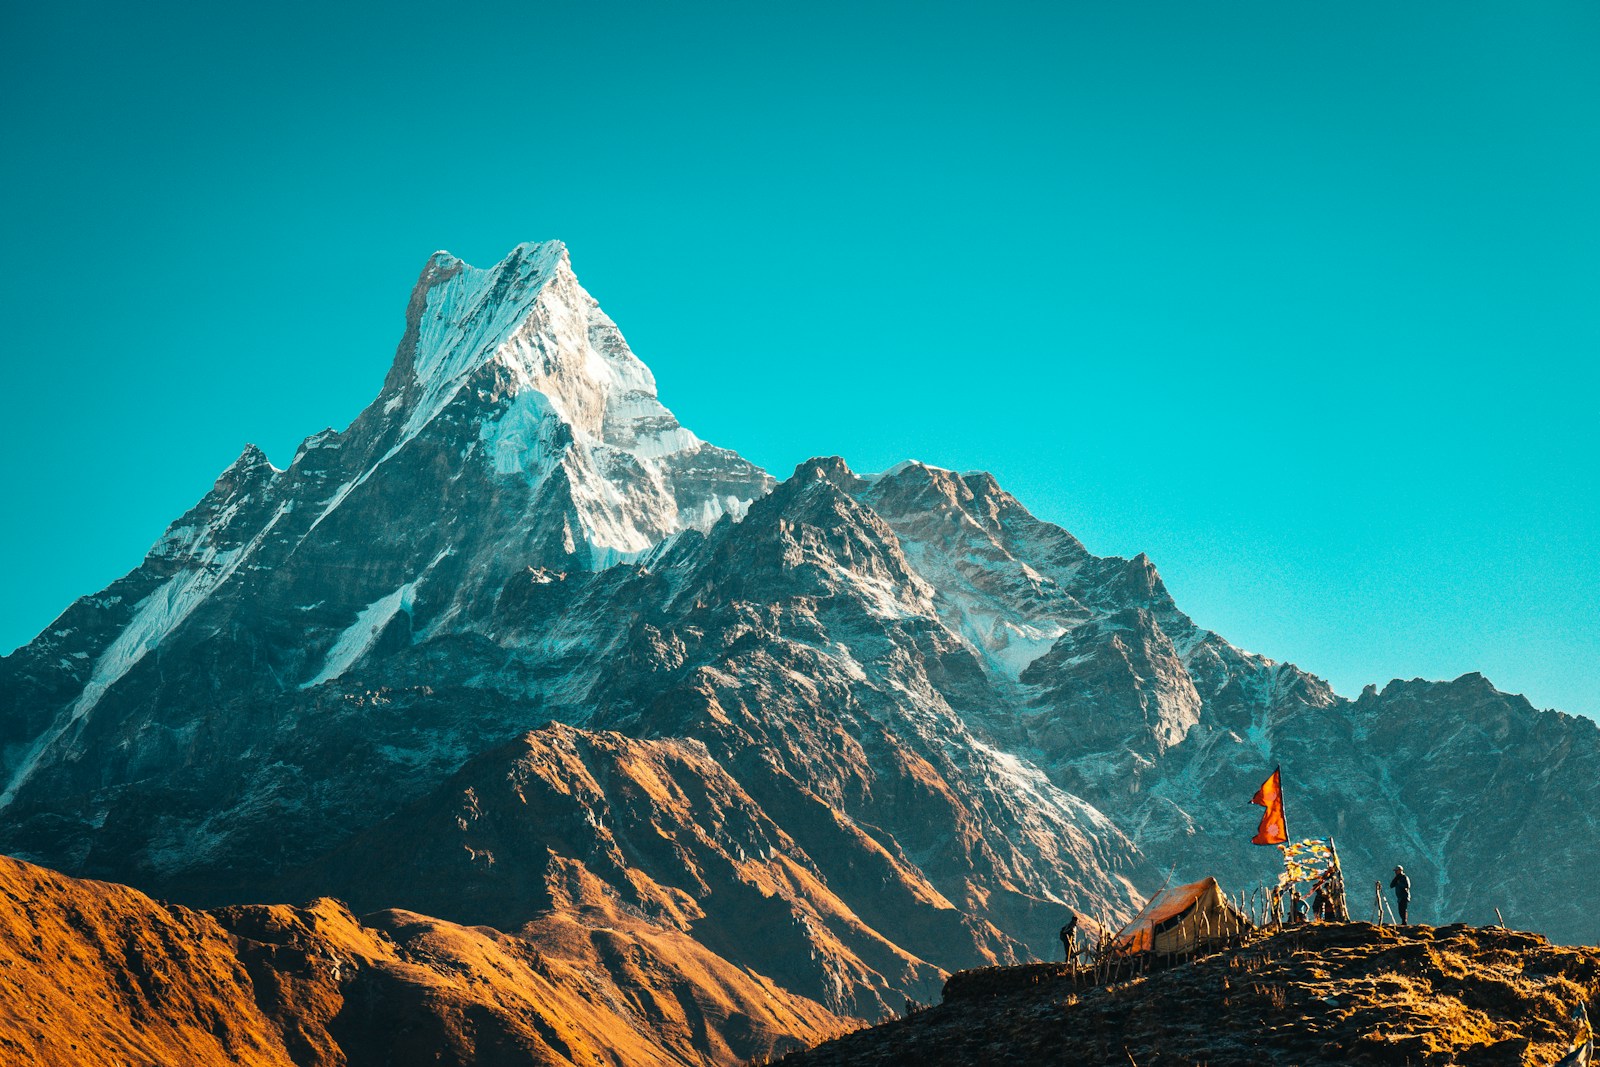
x,y
1302,299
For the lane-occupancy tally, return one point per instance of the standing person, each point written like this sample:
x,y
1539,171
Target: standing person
x,y
1402,892
1321,909
1069,938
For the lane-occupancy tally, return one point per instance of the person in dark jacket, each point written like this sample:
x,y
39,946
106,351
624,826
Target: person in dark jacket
x,y
1321,909
1069,938
1402,892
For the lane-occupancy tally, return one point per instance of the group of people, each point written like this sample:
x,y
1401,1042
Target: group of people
x,y
1327,904
1327,898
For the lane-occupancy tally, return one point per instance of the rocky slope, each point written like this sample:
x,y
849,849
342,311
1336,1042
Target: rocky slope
x,y
517,649
94,974
615,830
1340,994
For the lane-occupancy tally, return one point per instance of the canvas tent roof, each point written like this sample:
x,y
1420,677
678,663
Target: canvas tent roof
x,y
1181,919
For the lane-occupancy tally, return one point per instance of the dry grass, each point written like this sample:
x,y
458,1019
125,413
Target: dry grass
x,y
1336,994
99,975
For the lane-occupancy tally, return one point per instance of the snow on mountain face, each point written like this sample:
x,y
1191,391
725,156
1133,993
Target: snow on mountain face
x,y
959,721
571,393
803,633
196,555
1007,609
513,399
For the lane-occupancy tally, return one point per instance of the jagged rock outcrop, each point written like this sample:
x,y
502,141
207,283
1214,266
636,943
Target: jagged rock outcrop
x,y
611,829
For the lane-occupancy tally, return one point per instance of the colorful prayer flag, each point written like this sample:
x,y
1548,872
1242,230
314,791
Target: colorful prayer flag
x,y
1305,861
1582,1054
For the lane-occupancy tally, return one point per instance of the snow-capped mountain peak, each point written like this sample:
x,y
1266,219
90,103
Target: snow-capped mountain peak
x,y
515,429
460,318
528,317
553,384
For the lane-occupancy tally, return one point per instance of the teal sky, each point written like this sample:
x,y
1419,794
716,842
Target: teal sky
x,y
1299,298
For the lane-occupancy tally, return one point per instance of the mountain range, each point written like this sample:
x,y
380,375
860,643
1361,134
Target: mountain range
x,y
517,651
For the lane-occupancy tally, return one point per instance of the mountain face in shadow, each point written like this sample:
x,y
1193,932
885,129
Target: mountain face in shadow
x,y
517,650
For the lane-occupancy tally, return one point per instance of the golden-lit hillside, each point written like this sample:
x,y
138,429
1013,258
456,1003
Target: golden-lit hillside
x,y
1348,993
97,974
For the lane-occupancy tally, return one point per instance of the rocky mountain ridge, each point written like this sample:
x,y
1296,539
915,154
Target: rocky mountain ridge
x,y
848,731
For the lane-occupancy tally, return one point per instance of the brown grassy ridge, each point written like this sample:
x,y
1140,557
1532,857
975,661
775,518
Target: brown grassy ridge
x,y
1339,993
94,974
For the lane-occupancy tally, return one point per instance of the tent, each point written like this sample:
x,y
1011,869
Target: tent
x,y
1182,919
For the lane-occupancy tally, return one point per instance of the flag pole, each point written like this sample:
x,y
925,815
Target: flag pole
x,y
1284,808
1284,813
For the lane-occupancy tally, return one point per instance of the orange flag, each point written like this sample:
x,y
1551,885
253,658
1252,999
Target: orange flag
x,y
1274,830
